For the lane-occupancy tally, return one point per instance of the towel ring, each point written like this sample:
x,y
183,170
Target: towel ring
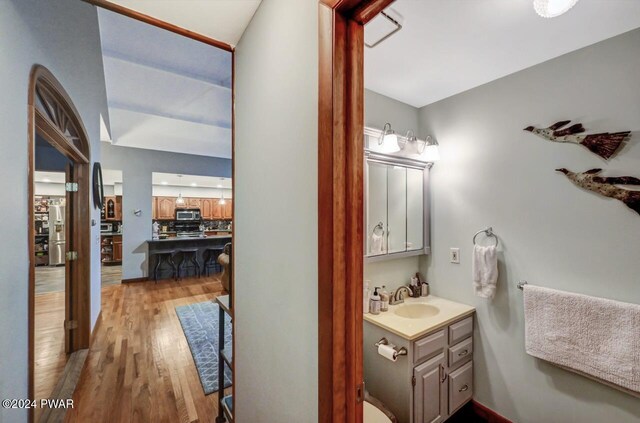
x,y
488,232
379,226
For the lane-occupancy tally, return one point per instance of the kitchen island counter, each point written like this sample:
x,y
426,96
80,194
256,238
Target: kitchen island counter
x,y
202,244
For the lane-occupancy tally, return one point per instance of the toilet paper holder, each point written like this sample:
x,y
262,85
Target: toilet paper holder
x,y
385,341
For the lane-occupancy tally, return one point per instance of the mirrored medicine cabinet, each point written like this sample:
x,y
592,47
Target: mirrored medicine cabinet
x,y
396,206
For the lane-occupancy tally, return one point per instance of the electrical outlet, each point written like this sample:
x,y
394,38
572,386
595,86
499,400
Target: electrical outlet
x,y
454,255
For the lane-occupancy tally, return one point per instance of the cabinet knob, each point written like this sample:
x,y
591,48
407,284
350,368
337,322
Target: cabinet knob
x,y
464,388
463,353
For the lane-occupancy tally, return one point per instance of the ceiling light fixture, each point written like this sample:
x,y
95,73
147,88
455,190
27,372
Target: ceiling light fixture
x,y
388,141
553,8
164,183
193,184
180,201
46,180
222,200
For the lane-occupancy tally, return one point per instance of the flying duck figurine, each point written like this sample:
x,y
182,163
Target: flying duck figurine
x,y
606,186
604,144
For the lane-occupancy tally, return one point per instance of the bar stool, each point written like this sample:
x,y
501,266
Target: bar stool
x,y
211,260
189,255
165,256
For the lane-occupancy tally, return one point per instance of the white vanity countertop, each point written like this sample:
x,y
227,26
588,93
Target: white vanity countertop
x,y
413,328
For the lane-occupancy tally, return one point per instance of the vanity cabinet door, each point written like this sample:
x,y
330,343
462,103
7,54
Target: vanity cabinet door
x,y
429,394
415,209
397,209
376,209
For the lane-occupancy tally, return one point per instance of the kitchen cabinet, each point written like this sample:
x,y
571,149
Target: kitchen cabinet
x,y
117,248
216,212
227,212
112,208
206,208
166,208
434,379
154,208
192,203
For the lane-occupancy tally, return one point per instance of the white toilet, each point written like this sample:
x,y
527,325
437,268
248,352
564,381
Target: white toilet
x,y
376,412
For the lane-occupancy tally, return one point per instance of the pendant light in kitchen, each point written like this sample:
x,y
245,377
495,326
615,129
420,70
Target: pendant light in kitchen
x,y
180,201
222,200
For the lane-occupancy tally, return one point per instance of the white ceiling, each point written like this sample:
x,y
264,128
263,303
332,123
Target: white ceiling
x,y
222,20
173,179
165,91
449,46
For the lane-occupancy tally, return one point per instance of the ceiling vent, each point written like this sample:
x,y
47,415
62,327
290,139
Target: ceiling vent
x,y
380,28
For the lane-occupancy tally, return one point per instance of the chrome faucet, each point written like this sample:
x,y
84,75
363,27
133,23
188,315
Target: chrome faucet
x,y
397,297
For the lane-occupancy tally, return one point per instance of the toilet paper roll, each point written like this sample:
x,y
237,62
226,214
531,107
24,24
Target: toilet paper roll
x,y
388,352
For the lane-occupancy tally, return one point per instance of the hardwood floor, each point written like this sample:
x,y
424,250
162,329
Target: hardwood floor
x,y
50,357
139,367
51,278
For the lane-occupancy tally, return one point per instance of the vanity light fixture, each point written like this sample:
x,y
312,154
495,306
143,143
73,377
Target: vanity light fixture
x,y
552,8
431,153
388,141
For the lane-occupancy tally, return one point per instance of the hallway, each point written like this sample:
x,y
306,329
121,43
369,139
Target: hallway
x,y
139,366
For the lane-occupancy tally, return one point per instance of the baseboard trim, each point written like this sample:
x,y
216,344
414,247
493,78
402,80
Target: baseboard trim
x,y
96,327
132,280
488,414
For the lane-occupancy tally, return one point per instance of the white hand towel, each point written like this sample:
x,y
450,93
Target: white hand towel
x,y
376,244
485,270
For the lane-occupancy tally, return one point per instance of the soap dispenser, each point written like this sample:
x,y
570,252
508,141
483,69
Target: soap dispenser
x,y
366,296
375,303
384,299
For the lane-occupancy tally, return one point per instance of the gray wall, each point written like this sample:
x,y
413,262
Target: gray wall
x,y
275,238
137,166
552,233
378,110
31,32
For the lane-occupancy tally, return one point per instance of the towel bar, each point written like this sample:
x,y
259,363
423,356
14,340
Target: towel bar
x,y
521,285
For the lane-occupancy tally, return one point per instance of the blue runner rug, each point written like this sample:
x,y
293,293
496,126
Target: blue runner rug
x,y
200,325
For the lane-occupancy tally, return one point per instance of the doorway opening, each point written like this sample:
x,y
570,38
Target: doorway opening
x,y
59,232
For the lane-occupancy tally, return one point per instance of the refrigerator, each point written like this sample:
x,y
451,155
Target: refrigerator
x,y
56,235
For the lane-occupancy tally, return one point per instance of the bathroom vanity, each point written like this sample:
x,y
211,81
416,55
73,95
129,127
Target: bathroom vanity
x,y
435,378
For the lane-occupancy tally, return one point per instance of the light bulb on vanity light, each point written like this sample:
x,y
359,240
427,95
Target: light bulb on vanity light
x,y
552,8
388,141
431,153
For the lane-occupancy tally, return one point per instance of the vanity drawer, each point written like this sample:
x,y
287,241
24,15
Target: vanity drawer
x,y
429,346
460,352
460,330
460,386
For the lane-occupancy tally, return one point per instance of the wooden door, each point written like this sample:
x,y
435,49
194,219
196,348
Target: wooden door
x,y
227,212
192,203
206,208
68,265
429,392
166,208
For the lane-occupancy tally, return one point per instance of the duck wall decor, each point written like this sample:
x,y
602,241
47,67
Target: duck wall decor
x,y
606,186
604,144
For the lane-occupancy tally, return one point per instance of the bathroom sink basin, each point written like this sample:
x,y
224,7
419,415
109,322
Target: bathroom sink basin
x,y
416,311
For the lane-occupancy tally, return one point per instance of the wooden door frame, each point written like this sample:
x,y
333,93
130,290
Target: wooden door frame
x,y
77,292
340,206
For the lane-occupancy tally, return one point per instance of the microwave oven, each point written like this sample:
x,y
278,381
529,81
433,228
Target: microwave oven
x,y
106,227
188,214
